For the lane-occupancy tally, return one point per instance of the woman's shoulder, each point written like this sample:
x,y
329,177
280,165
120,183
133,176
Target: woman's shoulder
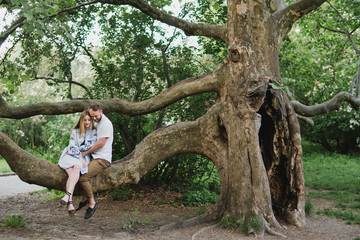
x,y
74,130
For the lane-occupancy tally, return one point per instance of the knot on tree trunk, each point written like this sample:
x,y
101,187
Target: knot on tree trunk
x,y
234,55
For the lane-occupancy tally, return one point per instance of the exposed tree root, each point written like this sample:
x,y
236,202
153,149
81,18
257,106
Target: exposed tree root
x,y
186,223
203,230
267,228
213,215
272,232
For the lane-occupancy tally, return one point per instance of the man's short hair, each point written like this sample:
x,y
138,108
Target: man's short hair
x,y
95,107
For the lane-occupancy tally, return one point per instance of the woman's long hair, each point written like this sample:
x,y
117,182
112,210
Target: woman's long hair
x,y
80,123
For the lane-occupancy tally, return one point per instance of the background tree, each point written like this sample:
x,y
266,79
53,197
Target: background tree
x,y
251,133
324,48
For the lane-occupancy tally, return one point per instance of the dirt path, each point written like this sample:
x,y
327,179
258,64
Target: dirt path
x,y
47,219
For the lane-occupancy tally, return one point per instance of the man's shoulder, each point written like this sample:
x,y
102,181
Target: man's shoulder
x,y
107,120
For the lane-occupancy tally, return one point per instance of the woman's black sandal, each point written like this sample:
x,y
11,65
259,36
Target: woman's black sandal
x,y
63,202
71,211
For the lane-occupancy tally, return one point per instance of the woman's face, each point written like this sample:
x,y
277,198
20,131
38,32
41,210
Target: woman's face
x,y
87,121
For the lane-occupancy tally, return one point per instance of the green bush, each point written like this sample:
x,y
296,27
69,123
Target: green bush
x,y
198,194
123,193
337,131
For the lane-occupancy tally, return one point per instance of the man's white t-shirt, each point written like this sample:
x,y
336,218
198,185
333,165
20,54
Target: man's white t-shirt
x,y
104,130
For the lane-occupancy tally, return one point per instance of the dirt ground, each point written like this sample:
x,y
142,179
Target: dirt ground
x,y
47,219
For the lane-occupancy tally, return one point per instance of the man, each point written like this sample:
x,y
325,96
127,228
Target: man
x,y
101,158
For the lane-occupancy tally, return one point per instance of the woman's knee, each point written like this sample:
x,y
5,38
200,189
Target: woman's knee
x,y
77,168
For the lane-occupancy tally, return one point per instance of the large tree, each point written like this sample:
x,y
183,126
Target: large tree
x,y
251,133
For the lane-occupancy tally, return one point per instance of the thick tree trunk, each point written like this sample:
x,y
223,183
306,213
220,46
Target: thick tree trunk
x,y
262,132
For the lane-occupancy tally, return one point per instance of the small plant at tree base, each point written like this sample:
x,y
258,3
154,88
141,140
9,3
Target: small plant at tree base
x,y
15,221
256,225
132,220
309,207
240,225
233,223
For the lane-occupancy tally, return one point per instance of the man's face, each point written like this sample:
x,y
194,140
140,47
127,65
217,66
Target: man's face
x,y
96,115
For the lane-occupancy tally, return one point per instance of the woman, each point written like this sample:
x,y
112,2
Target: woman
x,y
83,136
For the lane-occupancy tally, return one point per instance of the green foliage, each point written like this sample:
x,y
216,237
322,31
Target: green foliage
x,y
212,12
337,131
52,194
197,194
4,167
15,221
45,41
181,171
316,64
123,193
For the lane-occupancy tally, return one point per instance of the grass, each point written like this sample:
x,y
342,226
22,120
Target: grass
x,y
15,221
4,167
335,177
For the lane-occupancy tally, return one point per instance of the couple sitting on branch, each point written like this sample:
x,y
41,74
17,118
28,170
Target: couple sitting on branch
x,y
89,152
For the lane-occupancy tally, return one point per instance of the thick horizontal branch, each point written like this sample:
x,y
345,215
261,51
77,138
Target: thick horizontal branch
x,y
190,29
288,16
155,148
30,168
179,138
326,107
196,85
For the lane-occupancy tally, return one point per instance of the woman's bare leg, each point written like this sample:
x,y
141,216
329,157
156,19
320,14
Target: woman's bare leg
x,y
73,177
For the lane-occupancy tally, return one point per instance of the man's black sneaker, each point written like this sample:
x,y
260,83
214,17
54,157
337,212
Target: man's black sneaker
x,y
90,211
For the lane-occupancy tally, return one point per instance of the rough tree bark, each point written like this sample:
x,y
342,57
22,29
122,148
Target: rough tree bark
x,y
251,133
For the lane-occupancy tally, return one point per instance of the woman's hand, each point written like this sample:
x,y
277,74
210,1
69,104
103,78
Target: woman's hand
x,y
83,162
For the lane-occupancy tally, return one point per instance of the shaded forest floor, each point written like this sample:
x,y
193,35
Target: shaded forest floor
x,y
139,218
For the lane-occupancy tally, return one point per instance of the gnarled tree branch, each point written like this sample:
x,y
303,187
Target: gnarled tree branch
x,y
192,86
288,16
190,29
331,105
